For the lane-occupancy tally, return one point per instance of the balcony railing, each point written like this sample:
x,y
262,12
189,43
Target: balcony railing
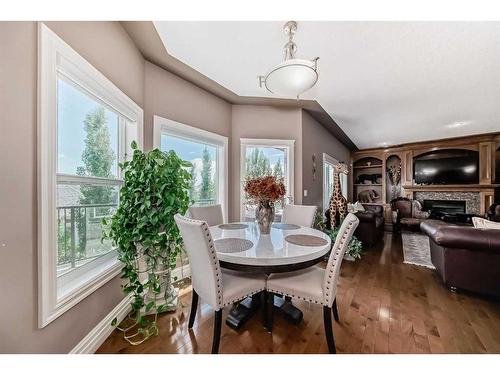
x,y
80,230
79,234
204,202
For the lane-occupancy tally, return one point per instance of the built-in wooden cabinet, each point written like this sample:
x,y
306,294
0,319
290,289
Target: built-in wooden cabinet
x,y
486,163
382,158
367,179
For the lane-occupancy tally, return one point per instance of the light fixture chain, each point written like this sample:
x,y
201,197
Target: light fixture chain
x,y
290,47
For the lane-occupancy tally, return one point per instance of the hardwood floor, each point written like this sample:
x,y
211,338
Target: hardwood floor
x,y
385,306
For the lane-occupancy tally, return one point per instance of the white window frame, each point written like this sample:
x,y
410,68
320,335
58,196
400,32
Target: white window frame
x,y
163,125
56,58
287,144
329,160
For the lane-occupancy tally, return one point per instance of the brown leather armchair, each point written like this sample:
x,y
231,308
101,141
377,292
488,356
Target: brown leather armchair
x,y
407,213
465,257
371,224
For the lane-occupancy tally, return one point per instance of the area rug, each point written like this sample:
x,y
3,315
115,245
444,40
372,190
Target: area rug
x,y
416,249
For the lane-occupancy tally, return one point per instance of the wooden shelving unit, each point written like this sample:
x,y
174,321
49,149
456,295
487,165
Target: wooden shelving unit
x,y
360,167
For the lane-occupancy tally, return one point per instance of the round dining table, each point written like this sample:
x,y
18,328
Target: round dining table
x,y
241,247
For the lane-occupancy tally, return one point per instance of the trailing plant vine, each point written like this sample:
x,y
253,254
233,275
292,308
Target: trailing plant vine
x,y
143,230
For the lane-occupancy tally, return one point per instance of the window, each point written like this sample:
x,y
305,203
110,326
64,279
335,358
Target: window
x,y
207,153
86,127
328,166
260,157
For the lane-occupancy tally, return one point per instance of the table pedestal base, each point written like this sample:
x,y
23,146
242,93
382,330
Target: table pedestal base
x,y
247,308
243,311
285,307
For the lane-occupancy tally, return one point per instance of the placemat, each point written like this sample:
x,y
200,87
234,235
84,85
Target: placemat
x,y
285,226
306,240
232,245
233,226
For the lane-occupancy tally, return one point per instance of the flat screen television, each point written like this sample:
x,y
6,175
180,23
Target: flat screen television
x,y
447,167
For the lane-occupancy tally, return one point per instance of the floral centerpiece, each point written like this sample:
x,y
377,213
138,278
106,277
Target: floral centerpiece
x,y
264,191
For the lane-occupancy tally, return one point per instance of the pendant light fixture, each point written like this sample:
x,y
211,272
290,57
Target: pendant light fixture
x,y
293,76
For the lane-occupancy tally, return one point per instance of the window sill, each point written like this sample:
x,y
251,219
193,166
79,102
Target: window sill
x,y
75,292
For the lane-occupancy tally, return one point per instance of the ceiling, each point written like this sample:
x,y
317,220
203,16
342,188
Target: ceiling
x,y
384,83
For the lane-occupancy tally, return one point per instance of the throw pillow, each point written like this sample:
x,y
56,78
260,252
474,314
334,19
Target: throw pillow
x,y
417,210
359,206
479,222
355,207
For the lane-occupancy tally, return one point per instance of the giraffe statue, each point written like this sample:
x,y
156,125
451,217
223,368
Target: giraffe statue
x,y
338,204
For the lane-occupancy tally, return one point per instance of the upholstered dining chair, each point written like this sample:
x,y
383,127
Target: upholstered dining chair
x,y
315,284
212,214
299,215
217,287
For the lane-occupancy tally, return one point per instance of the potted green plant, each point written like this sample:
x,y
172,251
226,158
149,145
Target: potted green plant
x,y
354,248
144,232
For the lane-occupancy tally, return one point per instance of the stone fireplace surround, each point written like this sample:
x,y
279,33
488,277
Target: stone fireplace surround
x,y
472,199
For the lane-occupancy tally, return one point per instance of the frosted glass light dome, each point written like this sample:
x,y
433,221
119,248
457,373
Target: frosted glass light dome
x,y
292,77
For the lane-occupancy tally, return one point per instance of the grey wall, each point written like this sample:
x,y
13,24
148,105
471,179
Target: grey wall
x,y
169,96
317,140
251,121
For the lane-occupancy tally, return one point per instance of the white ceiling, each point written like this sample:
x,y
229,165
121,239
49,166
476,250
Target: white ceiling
x,y
384,83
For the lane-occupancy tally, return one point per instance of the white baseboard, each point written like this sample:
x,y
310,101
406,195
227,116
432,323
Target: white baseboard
x,y
90,343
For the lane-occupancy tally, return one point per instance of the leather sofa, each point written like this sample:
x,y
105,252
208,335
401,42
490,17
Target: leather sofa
x,y
465,257
371,224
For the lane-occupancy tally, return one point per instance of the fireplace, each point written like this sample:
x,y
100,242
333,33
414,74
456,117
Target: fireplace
x,y
448,210
472,199
444,206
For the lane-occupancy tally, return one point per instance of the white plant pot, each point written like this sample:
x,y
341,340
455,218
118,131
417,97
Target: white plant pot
x,y
349,258
168,295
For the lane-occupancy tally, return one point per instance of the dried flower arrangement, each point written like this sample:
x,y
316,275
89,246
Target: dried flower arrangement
x,y
264,192
264,189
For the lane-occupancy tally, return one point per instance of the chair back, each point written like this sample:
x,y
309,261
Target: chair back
x,y
212,215
332,271
299,215
403,206
203,261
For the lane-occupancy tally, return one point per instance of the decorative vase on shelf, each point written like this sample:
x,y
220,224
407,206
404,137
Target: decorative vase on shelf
x,y
264,215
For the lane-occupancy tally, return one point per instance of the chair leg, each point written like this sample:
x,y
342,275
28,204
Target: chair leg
x,y
263,305
269,307
194,307
327,318
217,329
335,311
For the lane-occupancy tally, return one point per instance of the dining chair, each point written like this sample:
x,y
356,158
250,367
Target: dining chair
x,y
299,215
212,214
217,287
315,284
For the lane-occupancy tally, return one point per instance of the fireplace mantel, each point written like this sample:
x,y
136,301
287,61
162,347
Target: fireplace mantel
x,y
462,188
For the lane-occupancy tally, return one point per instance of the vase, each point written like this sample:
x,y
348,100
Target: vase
x,y
264,215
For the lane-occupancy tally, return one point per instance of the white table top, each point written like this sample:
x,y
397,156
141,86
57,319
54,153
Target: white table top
x,y
270,249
